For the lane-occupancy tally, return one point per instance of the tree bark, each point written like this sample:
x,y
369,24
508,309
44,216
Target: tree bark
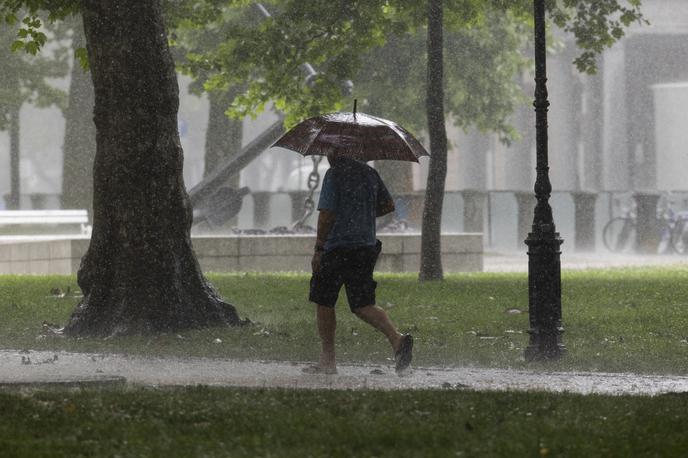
x,y
431,257
13,202
80,135
140,274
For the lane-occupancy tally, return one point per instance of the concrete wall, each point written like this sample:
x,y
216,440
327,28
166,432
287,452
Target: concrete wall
x,y
671,120
261,253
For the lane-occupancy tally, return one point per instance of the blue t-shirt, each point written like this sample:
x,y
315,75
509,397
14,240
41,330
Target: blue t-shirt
x,y
353,191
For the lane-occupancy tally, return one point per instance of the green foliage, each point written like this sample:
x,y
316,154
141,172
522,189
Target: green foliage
x,y
35,12
267,54
488,57
226,43
481,59
380,46
596,24
81,55
25,75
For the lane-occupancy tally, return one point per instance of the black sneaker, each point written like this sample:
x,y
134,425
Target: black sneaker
x,y
405,353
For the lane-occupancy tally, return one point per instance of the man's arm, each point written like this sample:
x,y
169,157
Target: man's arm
x,y
384,207
385,203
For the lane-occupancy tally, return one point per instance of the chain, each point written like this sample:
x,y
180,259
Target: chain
x,y
313,182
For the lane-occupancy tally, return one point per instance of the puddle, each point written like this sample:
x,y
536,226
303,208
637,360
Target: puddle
x,y
50,367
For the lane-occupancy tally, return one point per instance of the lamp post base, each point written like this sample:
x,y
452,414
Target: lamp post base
x,y
544,347
544,297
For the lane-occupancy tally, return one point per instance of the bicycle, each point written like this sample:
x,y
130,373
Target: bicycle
x,y
679,234
620,234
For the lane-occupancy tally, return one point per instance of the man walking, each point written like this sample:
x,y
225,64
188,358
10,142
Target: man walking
x,y
346,251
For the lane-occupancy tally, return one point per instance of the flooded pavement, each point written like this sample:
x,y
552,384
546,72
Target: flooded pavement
x,y
41,368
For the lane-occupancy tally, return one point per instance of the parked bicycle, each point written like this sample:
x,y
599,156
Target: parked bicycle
x,y
620,233
679,234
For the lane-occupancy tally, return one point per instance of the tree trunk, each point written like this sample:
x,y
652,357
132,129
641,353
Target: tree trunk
x,y
140,274
223,138
224,135
13,202
80,135
431,257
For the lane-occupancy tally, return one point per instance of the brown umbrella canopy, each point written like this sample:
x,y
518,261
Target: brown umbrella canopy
x,y
353,135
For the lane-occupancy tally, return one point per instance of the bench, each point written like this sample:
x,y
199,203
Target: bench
x,y
30,222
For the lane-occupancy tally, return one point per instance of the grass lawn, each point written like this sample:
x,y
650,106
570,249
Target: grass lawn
x,y
615,320
203,421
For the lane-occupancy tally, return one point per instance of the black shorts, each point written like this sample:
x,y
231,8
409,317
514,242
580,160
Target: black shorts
x,y
352,268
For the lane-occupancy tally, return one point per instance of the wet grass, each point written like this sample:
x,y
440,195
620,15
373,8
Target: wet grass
x,y
211,422
615,320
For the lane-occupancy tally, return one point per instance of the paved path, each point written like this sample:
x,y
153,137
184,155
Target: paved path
x,y
17,367
518,261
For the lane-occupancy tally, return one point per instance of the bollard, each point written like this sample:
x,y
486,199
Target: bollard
x,y
647,225
526,203
261,208
474,210
584,203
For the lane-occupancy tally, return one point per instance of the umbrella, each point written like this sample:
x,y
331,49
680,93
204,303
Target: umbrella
x,y
353,135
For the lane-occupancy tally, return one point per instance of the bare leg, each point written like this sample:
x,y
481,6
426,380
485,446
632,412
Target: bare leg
x,y
327,323
378,318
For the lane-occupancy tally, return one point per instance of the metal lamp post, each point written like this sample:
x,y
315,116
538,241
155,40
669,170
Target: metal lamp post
x,y
544,265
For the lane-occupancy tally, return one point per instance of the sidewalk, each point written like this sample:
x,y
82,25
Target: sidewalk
x,y
518,261
40,367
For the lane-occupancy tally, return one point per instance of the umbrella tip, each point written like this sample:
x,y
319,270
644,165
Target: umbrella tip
x,y
355,103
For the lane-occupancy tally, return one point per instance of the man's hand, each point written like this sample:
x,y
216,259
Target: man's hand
x,y
325,223
315,262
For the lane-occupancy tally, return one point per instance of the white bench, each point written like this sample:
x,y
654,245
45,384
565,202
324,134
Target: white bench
x,y
13,222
